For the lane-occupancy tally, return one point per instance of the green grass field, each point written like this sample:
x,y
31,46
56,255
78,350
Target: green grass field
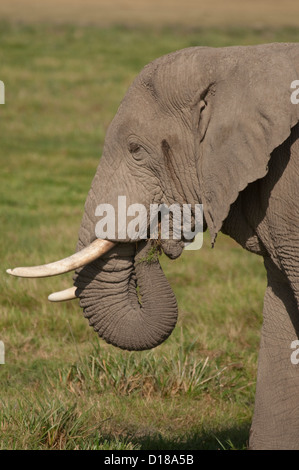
x,y
62,387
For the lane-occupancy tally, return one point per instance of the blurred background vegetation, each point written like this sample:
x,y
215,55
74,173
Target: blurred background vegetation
x,y
66,66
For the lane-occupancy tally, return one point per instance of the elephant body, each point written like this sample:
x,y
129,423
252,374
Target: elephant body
x,y
265,221
217,127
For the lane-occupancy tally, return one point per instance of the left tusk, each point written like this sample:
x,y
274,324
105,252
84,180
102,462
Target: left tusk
x,y
90,253
67,294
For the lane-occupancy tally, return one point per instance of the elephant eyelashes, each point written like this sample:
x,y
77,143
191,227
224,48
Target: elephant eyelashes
x,y
134,148
136,151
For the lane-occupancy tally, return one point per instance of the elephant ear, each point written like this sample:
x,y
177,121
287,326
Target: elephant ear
x,y
251,113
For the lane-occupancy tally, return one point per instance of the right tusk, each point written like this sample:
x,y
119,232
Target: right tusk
x,y
67,294
97,248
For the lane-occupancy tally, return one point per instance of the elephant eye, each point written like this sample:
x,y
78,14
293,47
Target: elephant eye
x,y
137,151
134,148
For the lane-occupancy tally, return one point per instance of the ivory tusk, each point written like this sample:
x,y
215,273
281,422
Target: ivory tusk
x,y
97,248
67,294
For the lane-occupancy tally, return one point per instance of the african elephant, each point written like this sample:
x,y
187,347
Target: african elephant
x,y
216,126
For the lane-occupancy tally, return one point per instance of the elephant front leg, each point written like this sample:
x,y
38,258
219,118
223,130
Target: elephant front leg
x,y
276,416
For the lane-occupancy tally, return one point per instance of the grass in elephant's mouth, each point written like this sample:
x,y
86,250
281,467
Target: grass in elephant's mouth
x,y
60,386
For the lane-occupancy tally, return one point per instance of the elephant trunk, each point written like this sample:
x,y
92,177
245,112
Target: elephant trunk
x,y
126,297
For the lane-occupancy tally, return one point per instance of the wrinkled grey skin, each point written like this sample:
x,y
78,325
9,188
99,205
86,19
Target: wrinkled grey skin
x,y
211,126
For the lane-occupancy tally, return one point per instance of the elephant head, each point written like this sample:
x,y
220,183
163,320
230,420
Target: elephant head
x,y
196,126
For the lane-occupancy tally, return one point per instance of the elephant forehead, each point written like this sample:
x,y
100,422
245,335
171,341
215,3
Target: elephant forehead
x,y
138,99
146,78
138,114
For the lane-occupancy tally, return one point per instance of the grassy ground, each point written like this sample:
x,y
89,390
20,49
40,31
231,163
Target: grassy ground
x,y
61,387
